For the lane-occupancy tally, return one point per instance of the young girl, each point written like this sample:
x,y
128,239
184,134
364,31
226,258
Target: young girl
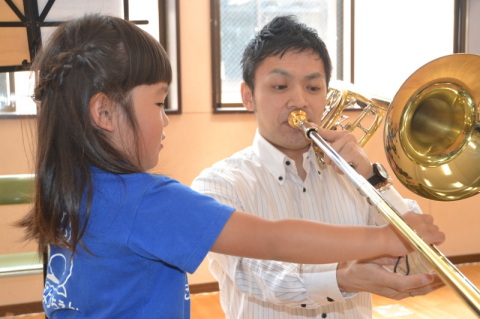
x,y
122,240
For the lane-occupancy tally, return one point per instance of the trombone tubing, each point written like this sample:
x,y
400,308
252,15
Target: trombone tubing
x,y
444,268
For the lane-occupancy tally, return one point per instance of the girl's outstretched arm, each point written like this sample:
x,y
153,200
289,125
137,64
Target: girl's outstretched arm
x,y
307,242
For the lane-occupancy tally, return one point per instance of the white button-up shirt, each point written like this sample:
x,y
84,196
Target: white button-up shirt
x,y
263,181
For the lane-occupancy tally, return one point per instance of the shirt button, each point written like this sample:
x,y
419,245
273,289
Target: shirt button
x,y
280,178
329,299
287,162
304,189
324,315
303,305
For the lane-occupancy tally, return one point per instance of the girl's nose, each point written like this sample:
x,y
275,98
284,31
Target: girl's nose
x,y
165,119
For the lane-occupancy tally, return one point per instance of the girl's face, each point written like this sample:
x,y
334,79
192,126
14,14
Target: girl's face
x,y
148,104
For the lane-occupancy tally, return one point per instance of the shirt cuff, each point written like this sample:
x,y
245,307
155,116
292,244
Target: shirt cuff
x,y
321,283
401,204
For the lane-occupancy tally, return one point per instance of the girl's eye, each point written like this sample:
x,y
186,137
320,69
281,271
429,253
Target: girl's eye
x,y
160,104
279,87
313,88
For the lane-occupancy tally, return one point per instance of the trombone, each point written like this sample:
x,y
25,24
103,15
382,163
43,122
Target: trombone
x,y
413,108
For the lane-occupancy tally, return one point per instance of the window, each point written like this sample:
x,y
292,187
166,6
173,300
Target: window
x,y
235,22
374,44
15,94
392,39
158,17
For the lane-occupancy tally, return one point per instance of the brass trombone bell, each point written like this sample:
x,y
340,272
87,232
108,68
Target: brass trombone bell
x,y
432,129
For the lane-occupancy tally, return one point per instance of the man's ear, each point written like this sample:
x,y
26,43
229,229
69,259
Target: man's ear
x,y
247,96
101,111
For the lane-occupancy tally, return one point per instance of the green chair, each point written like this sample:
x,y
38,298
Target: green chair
x,y
18,189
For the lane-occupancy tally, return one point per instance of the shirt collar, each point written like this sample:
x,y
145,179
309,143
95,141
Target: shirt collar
x,y
275,161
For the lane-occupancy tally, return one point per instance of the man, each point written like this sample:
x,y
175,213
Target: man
x,y
286,67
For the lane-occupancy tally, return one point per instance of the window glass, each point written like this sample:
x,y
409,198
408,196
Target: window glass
x,y
394,38
158,17
374,44
239,20
16,90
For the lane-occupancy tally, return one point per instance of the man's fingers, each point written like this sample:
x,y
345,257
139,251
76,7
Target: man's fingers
x,y
413,282
414,285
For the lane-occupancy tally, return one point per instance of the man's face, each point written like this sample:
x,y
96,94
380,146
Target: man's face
x,y
294,81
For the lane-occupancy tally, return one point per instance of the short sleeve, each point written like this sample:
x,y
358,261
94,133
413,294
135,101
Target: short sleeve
x,y
176,225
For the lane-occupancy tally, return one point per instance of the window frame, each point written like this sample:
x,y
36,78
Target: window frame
x,y
347,72
218,106
168,13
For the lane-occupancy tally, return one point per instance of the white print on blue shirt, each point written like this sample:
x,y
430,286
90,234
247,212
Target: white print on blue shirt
x,y
55,294
59,270
187,292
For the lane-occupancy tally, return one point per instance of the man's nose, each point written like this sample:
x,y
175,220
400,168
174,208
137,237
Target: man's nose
x,y
297,98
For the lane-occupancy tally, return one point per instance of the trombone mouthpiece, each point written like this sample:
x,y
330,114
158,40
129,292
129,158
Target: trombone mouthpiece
x,y
296,118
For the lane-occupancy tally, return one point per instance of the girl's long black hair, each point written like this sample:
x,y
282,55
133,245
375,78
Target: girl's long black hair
x,y
85,56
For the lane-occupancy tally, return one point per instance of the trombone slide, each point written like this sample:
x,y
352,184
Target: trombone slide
x,y
444,268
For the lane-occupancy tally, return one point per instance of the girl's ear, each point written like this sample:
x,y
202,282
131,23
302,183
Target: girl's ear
x,y
101,111
247,96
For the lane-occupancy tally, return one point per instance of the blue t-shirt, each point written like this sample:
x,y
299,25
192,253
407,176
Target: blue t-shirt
x,y
145,232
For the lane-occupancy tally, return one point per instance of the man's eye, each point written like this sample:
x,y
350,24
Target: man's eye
x,y
279,87
160,104
313,88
